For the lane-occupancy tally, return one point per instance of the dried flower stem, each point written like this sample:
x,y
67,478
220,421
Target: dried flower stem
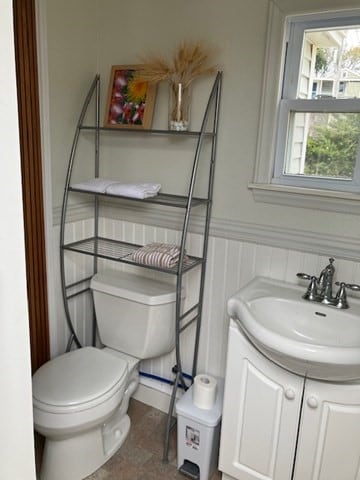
x,y
190,61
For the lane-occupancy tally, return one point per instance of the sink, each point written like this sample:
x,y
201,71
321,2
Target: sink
x,y
304,337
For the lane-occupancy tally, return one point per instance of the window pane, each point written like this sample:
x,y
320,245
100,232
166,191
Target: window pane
x,y
330,64
323,144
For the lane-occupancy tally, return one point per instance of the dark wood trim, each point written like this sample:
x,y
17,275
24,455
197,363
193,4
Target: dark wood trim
x,y
31,166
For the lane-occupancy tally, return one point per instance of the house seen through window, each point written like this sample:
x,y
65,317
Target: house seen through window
x,y
318,142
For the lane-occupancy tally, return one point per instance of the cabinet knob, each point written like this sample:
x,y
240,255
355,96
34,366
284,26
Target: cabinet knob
x,y
312,402
290,394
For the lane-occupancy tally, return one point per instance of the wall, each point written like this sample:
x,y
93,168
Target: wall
x,y
16,438
231,264
247,238
69,32
85,37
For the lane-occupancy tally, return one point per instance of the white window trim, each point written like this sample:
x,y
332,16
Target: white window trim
x,y
263,188
321,105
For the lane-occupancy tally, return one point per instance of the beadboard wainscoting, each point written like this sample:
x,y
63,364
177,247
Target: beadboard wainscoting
x,y
236,254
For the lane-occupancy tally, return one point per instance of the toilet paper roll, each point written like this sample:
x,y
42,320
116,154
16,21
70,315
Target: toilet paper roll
x,y
204,391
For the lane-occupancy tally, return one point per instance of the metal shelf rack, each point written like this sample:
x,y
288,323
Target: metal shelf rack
x,y
119,251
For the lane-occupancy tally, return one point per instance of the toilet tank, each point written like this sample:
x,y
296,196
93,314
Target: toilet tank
x,y
135,315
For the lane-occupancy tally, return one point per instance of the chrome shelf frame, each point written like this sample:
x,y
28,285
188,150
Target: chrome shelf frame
x,y
120,251
166,199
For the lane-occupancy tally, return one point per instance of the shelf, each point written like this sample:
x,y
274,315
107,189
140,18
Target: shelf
x,y
169,200
186,133
122,252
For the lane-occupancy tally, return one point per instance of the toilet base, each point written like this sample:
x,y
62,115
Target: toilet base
x,y
77,457
74,456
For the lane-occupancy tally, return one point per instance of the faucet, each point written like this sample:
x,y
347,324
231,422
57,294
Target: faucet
x,y
325,283
321,289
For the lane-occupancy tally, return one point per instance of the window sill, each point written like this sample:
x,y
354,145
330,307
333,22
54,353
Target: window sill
x,y
332,201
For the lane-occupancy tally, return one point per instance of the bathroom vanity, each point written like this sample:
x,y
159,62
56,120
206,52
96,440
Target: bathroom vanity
x,y
282,425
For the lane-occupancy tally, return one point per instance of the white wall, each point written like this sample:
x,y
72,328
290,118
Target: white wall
x,y
247,238
85,37
231,264
70,31
16,436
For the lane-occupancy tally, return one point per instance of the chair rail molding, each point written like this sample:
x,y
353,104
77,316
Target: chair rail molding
x,y
345,247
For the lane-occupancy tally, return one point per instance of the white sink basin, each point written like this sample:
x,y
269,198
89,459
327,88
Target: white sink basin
x,y
304,337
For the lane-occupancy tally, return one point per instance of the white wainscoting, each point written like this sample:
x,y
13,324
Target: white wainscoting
x,y
231,264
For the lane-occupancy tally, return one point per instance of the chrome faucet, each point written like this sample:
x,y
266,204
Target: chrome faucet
x,y
325,283
321,289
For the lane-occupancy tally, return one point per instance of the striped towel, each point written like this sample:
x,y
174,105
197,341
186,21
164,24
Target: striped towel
x,y
163,255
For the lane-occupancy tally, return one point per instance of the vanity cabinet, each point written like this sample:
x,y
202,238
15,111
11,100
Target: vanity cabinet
x,y
260,415
329,433
280,426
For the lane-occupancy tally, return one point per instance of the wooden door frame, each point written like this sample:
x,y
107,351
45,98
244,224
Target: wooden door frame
x,y
32,178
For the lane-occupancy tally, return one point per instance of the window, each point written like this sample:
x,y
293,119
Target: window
x,y
318,138
341,88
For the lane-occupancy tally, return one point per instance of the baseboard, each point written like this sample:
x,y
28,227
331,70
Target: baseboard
x,y
154,394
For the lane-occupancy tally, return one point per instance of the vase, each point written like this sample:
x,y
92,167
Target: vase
x,y
179,107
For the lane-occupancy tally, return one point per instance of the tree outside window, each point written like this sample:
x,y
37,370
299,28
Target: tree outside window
x,y
333,138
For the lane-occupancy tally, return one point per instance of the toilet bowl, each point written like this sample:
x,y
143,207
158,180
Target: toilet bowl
x,y
81,398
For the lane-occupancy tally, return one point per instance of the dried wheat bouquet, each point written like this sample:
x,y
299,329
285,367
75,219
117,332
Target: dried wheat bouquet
x,y
190,61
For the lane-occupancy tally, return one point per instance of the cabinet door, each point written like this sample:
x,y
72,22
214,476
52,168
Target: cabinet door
x,y
329,440
260,415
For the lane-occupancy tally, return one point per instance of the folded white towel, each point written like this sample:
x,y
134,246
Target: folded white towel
x,y
114,187
158,255
98,185
134,190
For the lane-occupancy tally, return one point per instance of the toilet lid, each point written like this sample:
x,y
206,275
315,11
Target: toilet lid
x,y
78,377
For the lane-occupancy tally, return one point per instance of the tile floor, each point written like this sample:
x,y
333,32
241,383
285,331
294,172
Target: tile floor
x,y
140,458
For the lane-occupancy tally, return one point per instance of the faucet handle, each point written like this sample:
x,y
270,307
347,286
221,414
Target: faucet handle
x,y
351,286
304,276
311,292
340,298
341,301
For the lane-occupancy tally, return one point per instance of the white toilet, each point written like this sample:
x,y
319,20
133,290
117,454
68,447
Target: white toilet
x,y
80,398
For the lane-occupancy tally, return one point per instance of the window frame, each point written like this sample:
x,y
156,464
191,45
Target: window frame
x,y
268,186
308,106
289,104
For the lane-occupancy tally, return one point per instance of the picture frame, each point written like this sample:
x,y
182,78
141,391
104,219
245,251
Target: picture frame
x,y
130,104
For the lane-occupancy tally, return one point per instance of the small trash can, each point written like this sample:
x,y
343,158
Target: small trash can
x,y
198,435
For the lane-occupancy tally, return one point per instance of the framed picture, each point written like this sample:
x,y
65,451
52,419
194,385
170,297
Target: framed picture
x,y
130,102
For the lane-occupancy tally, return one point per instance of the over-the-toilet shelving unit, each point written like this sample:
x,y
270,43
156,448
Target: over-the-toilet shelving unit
x,y
120,251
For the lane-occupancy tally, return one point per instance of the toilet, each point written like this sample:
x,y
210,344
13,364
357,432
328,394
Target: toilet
x,y
81,398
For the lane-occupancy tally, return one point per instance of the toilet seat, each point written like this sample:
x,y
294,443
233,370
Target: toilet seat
x,y
78,381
